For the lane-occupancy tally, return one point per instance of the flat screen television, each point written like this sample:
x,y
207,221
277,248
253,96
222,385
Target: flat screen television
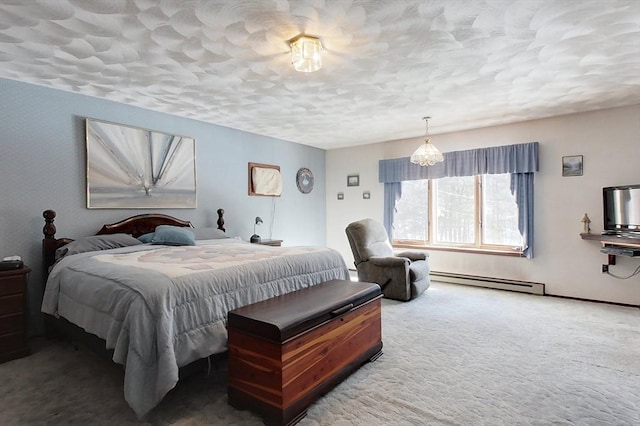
x,y
621,209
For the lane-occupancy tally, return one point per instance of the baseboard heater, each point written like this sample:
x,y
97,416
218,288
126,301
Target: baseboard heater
x,y
488,282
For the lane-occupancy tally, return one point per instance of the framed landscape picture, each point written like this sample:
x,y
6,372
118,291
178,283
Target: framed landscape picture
x,y
572,165
353,180
130,167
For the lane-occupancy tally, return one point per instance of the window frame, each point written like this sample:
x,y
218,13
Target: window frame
x,y
476,247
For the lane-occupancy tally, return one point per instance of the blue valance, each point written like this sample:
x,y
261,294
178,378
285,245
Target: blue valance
x,y
518,158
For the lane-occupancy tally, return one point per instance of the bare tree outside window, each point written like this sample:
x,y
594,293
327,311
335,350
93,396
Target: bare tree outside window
x,y
412,212
455,207
499,212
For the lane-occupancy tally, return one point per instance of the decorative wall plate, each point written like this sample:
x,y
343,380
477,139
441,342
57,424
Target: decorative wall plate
x,y
304,180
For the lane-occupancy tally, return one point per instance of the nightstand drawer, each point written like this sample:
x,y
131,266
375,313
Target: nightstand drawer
x,y
13,346
12,285
13,341
12,323
13,317
12,304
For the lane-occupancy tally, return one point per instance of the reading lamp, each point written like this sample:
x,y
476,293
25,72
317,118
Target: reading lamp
x,y
256,238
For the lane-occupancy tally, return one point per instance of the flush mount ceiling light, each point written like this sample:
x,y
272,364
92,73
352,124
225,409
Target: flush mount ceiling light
x,y
427,154
305,53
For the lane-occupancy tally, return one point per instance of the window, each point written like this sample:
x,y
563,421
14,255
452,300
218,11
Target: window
x,y
454,213
500,212
412,215
494,211
469,212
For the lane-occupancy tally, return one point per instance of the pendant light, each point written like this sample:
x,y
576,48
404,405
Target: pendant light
x,y
427,154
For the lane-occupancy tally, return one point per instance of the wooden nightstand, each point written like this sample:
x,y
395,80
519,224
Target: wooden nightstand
x,y
275,243
13,314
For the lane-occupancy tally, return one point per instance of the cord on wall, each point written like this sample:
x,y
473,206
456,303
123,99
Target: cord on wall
x,y
633,274
273,217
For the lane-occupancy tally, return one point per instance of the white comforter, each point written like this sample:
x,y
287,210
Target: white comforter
x,y
162,307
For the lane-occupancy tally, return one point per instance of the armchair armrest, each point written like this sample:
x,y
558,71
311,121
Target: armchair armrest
x,y
413,255
387,262
392,273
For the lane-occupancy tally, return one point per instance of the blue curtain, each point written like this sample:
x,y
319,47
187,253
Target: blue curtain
x,y
521,160
392,193
522,189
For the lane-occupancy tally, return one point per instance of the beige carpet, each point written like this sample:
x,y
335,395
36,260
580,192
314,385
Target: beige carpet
x,y
455,356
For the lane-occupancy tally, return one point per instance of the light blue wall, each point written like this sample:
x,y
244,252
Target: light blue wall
x,y
43,166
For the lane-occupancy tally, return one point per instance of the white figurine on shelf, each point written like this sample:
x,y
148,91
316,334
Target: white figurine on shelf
x,y
586,222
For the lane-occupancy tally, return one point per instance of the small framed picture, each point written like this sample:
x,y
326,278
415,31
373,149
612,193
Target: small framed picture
x,y
366,195
340,196
353,180
572,165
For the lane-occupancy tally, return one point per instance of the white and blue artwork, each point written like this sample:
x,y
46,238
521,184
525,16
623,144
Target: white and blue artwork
x,y
130,167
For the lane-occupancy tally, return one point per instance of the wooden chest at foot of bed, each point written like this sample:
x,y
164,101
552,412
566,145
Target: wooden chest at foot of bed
x,y
287,351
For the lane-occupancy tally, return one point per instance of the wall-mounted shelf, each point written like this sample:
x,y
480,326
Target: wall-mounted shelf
x,y
617,240
615,245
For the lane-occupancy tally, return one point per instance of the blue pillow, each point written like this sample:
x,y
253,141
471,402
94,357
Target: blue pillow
x,y
146,238
173,236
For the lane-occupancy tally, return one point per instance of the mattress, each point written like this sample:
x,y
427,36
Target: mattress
x,y
161,307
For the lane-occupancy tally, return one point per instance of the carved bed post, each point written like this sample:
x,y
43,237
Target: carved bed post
x,y
221,220
49,242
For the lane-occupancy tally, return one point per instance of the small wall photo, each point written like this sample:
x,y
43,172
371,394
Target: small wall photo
x,y
353,180
572,165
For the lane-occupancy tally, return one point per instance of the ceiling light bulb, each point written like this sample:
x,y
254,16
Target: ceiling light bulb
x,y
306,53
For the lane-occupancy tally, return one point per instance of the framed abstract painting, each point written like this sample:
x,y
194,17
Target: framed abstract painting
x,y
131,167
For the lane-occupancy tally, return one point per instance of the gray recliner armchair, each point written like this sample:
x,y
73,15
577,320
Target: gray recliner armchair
x,y
402,276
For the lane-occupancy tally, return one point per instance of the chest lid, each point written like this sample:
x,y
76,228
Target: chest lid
x,y
282,317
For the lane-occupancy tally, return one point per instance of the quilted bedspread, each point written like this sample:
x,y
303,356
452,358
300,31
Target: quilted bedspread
x,y
162,307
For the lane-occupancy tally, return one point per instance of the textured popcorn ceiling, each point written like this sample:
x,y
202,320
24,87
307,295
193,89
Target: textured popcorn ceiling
x,y
387,63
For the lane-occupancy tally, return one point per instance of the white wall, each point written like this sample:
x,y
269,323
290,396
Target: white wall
x,y
608,139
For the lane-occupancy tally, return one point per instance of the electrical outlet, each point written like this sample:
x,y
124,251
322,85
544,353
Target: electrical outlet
x,y
605,269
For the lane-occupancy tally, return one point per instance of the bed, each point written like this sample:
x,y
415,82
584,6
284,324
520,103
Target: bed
x,y
162,305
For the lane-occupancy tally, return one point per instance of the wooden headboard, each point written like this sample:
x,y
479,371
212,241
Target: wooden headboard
x,y
135,225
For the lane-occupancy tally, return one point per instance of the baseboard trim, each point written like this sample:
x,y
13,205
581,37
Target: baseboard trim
x,y
581,299
520,286
489,282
